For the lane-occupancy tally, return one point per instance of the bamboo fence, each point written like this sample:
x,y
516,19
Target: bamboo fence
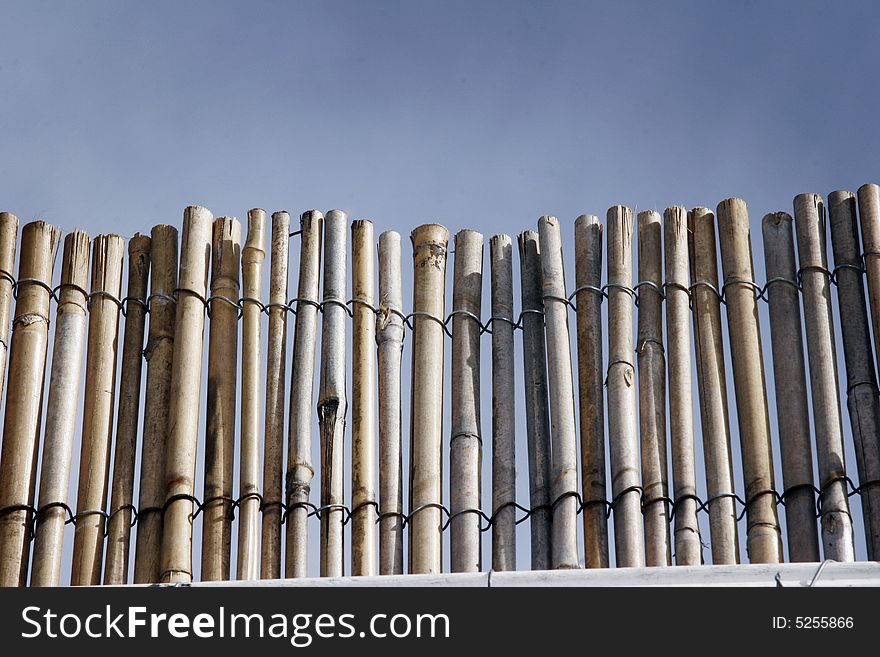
x,y
642,380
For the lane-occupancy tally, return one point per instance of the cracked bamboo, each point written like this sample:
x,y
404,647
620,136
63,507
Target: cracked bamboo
x,y
300,471
465,443
217,508
869,219
276,373
536,396
563,432
61,410
125,447
363,412
183,415
792,412
158,354
8,239
426,418
98,406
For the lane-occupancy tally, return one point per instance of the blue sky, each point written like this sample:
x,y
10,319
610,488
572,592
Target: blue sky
x,y
486,115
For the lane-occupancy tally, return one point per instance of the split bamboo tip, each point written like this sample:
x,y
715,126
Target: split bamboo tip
x,y
500,241
254,247
774,219
163,232
75,261
139,244
647,217
41,230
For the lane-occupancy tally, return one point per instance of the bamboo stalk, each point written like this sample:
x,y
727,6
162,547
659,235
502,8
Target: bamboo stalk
x,y
332,402
563,434
24,398
121,500
712,382
252,256
363,412
99,396
157,399
837,533
217,507
869,219
791,387
299,454
764,540
276,371
688,547
536,396
426,417
8,238
64,387
389,339
652,391
623,439
588,273
466,442
503,406
183,415
861,379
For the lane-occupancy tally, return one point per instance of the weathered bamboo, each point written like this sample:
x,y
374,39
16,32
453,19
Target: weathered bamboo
x,y
688,547
389,338
276,373
363,412
252,256
536,396
503,406
217,503
426,417
299,453
588,281
157,399
764,540
8,238
712,383
652,391
465,443
792,412
837,532
622,435
183,415
122,492
64,386
862,394
332,402
24,398
563,434
98,404
869,218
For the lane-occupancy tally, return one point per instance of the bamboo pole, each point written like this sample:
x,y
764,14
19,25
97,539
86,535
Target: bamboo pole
x,y
24,398
862,394
64,386
623,439
389,339
299,454
837,533
276,371
121,500
99,397
183,416
536,396
764,540
588,273
466,442
332,402
869,219
8,238
791,387
157,399
252,256
426,417
503,406
688,547
363,412
563,434
217,503
652,391
712,383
